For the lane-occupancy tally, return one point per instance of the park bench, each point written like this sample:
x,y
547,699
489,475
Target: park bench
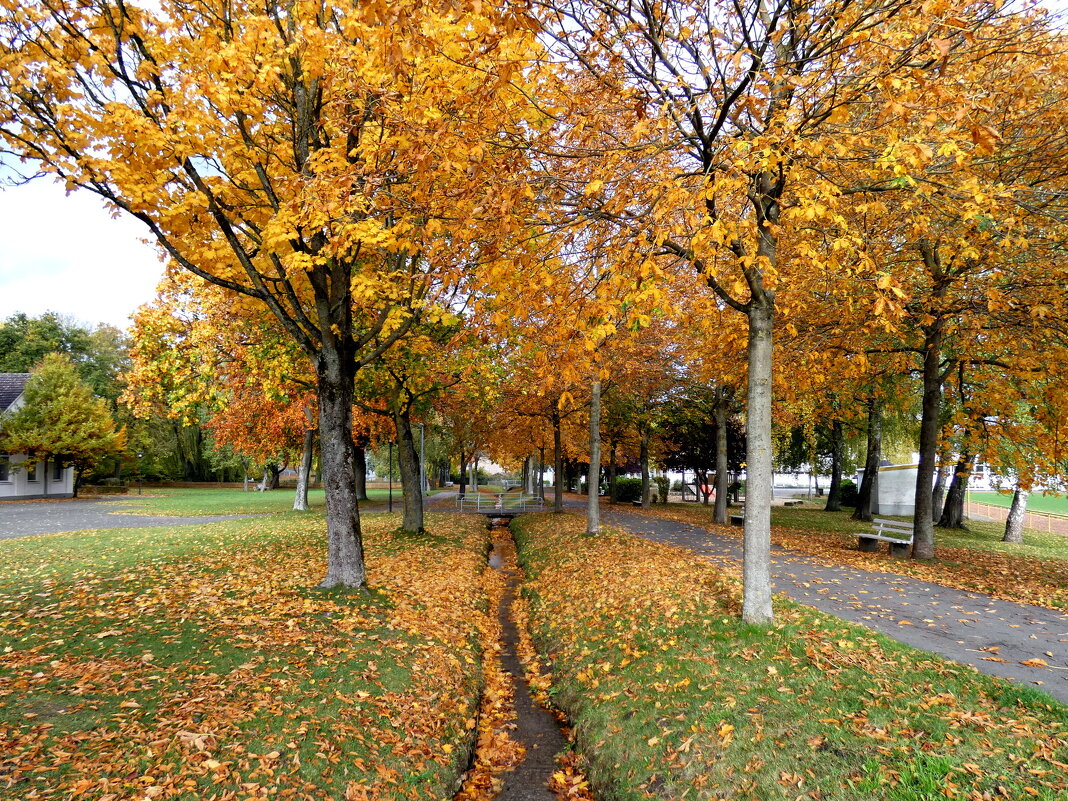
x,y
896,532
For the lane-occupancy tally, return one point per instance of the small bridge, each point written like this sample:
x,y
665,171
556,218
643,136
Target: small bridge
x,y
500,504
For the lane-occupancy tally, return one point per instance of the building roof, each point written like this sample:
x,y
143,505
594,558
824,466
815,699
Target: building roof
x,y
11,386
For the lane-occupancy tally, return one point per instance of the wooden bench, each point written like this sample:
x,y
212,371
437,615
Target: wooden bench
x,y
896,532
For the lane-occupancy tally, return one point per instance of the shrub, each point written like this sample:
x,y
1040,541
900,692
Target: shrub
x,y
628,489
662,484
849,493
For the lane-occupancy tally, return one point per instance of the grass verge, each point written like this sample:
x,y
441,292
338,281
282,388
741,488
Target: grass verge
x,y
182,502
672,697
1035,572
200,663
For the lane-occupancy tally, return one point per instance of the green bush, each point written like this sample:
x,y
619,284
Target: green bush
x,y
849,493
628,489
662,485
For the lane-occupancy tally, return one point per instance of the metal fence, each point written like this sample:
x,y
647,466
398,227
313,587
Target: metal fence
x,y
487,503
1036,521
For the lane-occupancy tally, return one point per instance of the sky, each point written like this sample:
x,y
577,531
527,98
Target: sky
x,y
65,253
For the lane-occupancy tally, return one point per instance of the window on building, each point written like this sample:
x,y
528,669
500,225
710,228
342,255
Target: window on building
x,y
5,468
31,471
57,470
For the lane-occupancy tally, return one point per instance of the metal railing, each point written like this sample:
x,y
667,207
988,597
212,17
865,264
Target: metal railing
x,y
488,503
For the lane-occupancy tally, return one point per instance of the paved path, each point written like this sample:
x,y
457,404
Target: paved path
x,y
966,627
24,519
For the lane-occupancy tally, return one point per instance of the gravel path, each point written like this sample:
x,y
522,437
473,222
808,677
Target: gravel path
x,y
24,519
966,627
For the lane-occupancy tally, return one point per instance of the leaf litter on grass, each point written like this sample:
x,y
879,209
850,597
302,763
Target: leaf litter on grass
x,y
672,696
221,674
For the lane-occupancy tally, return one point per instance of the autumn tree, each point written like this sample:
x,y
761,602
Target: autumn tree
x,y
60,420
307,157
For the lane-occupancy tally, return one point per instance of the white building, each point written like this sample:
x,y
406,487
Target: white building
x,y
19,479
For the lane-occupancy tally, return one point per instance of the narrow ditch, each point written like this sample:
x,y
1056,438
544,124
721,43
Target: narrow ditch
x,y
519,741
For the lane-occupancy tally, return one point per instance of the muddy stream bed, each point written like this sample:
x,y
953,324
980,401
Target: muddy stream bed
x,y
518,753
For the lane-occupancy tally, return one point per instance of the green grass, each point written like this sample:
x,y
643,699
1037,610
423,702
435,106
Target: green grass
x,y
1056,504
203,660
671,696
180,502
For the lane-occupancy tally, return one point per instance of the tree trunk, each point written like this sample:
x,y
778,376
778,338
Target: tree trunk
x,y
541,473
612,472
474,472
643,458
756,556
923,520
953,510
834,493
593,501
868,494
300,498
345,565
463,473
408,461
938,494
359,453
1017,512
558,466
719,512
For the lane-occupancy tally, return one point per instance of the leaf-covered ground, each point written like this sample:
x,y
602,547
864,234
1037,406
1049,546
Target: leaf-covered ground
x,y
672,697
970,563
200,662
205,501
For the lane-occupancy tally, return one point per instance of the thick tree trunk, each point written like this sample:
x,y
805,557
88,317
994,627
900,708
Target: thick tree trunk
x,y
923,521
558,466
868,494
541,473
834,493
1014,524
593,501
408,460
953,510
300,498
345,564
463,473
938,494
643,458
474,472
719,512
756,558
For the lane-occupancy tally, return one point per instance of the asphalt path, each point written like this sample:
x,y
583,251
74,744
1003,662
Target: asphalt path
x,y
26,518
991,635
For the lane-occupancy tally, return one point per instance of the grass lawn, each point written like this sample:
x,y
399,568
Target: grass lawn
x,y
1034,572
201,662
1036,502
180,502
672,697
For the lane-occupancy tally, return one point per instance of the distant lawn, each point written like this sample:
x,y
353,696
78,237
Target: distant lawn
x,y
672,697
1034,572
202,662
1036,502
180,501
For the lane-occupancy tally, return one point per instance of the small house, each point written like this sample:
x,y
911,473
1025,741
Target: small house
x,y
21,479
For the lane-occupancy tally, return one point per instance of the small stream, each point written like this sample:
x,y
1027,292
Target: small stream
x,y
533,728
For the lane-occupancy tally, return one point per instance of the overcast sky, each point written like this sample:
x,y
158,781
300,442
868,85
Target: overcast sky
x,y
68,255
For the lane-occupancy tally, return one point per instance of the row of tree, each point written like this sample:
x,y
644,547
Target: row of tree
x,y
380,202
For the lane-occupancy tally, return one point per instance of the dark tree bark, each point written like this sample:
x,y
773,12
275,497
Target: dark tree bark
x,y
834,493
359,455
933,332
1014,524
463,472
300,498
643,458
593,504
408,460
558,465
938,494
719,512
953,510
336,371
868,494
612,471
